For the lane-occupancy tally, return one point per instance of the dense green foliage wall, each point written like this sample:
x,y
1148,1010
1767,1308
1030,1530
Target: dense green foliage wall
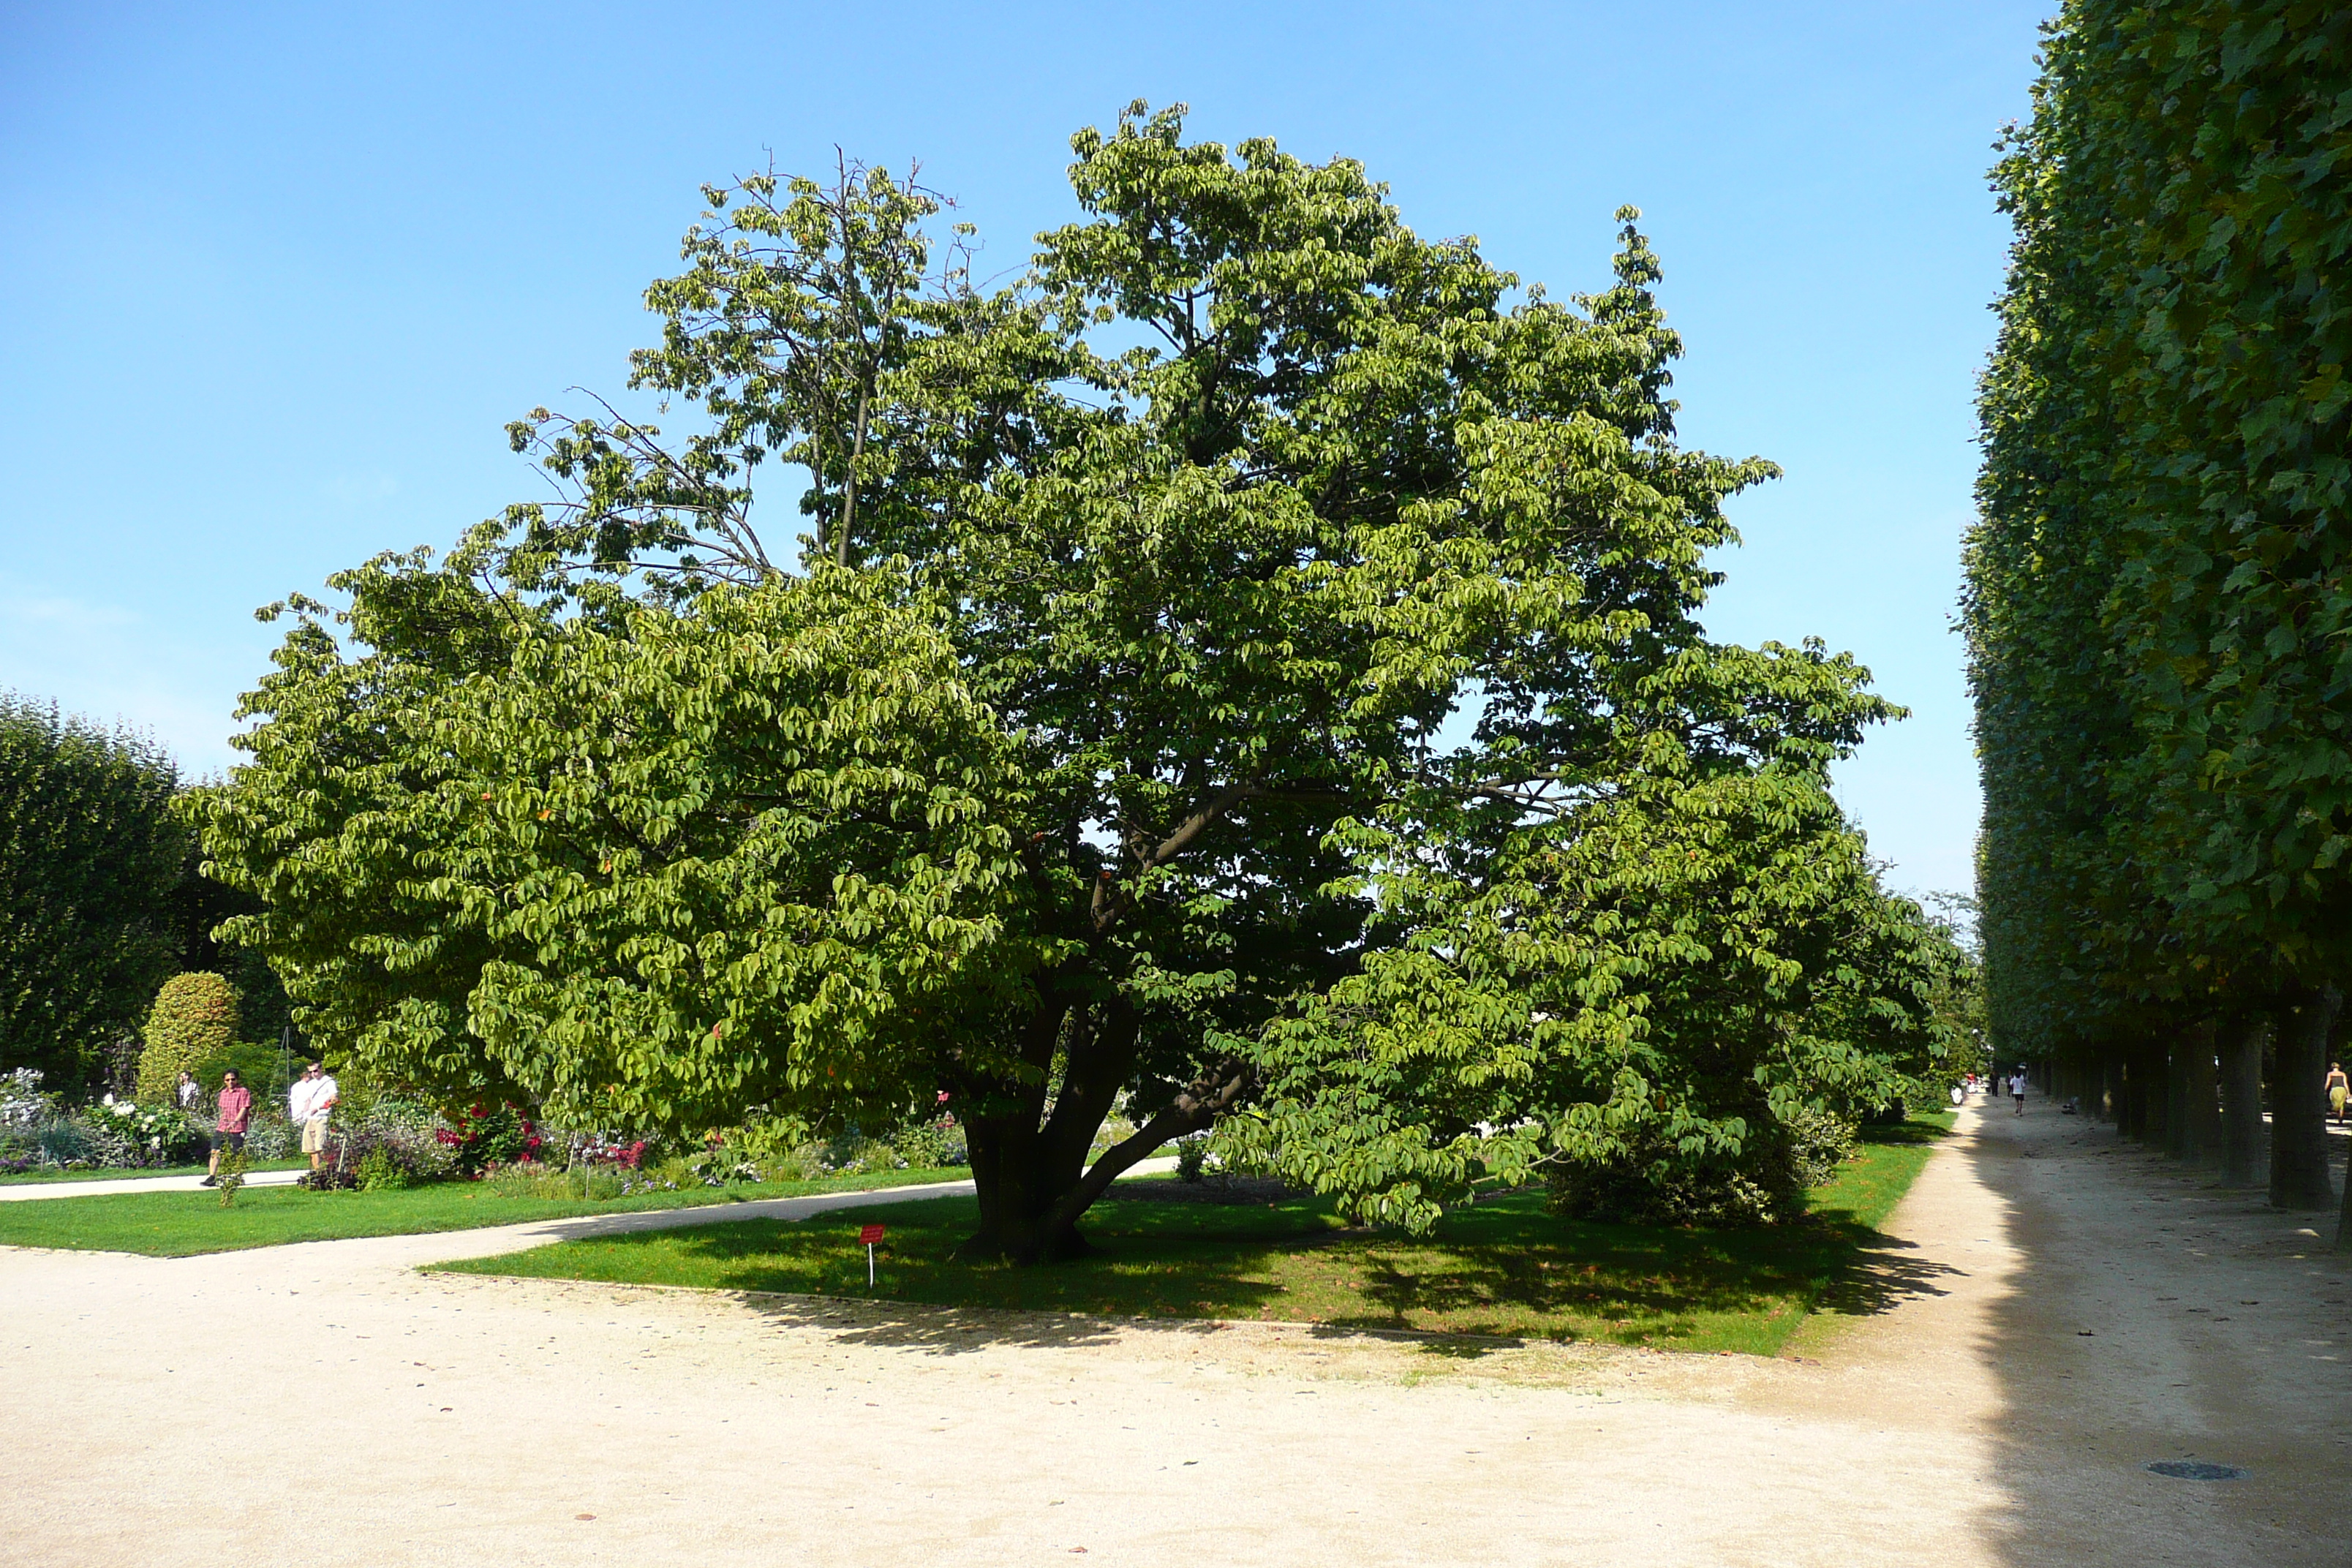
x,y
2158,611
89,856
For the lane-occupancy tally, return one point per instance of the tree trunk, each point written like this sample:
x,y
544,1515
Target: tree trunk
x,y
2153,1066
1029,1166
2200,1132
2176,1097
2131,1119
2299,1105
2243,1139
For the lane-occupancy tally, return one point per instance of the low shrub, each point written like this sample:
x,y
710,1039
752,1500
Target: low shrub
x,y
381,1169
272,1138
1656,1183
488,1136
66,1144
930,1145
128,1135
415,1131
22,1106
32,1134
720,1167
1192,1159
396,1157
597,1150
530,1179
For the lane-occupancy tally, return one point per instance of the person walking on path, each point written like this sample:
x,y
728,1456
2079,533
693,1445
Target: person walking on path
x,y
313,1096
2339,1091
2017,1087
190,1091
236,1110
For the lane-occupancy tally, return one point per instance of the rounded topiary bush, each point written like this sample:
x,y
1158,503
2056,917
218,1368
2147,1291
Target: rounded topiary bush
x,y
195,1017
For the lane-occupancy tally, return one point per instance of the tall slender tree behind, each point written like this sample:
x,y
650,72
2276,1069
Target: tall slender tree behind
x,y
89,856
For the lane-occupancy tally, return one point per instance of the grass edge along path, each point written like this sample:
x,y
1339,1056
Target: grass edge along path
x,y
182,1224
1503,1269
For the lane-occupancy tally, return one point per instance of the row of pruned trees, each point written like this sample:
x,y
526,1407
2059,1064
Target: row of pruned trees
x,y
2159,621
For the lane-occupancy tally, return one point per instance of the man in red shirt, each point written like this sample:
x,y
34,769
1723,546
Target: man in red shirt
x,y
236,1110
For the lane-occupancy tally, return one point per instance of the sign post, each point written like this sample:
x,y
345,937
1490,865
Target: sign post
x,y
870,1235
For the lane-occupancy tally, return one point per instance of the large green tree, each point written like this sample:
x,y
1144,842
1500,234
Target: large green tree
x,y
89,857
1166,613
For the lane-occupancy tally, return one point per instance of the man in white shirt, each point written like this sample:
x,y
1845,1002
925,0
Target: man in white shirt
x,y
2016,1087
312,1096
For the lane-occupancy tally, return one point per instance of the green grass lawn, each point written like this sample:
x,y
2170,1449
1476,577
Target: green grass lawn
x,y
177,1225
1503,1267
31,1177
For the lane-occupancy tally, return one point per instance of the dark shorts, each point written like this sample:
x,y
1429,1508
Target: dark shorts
x,y
232,1141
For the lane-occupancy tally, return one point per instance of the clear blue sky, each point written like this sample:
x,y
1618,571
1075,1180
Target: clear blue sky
x,y
273,278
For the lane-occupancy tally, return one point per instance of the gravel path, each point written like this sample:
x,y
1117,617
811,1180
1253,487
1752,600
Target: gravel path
x,y
327,1400
20,1192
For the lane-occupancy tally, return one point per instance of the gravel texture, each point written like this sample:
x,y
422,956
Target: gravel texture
x,y
329,1402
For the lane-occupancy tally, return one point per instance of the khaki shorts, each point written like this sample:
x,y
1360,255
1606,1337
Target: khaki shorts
x,y
314,1135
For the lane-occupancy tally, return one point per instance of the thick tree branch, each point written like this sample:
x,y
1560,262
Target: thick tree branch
x,y
1197,1105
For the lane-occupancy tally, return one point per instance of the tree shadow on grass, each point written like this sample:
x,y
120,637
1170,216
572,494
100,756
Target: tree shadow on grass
x,y
1500,1274
1912,1131
1526,1275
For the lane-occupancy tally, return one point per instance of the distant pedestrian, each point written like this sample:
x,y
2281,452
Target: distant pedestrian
x,y
309,1104
229,1132
2017,1088
191,1091
2339,1091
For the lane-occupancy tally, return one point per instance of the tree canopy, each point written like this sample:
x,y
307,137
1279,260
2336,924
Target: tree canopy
x,y
1247,667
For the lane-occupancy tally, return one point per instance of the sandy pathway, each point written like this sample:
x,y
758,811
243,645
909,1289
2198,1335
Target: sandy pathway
x,y
22,1191
325,1399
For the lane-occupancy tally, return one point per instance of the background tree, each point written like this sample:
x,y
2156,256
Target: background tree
x,y
88,859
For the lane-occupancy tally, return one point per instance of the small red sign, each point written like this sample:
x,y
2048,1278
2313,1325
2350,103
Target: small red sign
x,y
871,1235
